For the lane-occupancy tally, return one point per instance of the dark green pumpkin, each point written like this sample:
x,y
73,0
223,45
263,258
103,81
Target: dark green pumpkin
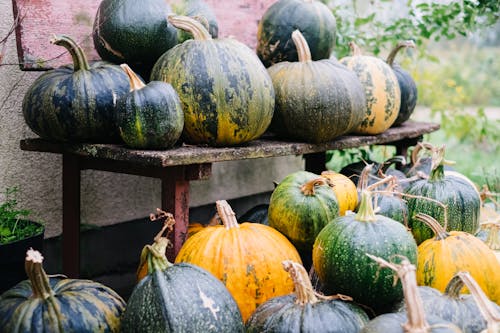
x,y
407,85
135,32
313,18
339,256
150,116
76,103
226,93
256,214
56,304
460,197
316,101
178,297
199,10
392,206
305,311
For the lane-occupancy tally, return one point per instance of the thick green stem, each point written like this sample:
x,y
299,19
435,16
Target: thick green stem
x,y
437,228
308,188
454,287
190,25
304,290
394,52
135,82
365,212
226,214
303,50
154,254
79,59
36,274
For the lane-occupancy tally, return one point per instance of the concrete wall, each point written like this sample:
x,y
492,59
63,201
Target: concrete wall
x,y
106,198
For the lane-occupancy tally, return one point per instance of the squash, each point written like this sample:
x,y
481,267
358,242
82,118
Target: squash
x,y
150,116
344,189
414,318
226,93
448,253
313,18
306,311
199,10
178,297
316,101
407,85
489,233
389,202
57,304
75,103
341,264
442,193
383,96
245,257
300,206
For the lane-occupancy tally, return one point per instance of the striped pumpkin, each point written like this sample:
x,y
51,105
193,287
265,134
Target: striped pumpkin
x,y
56,304
226,93
383,95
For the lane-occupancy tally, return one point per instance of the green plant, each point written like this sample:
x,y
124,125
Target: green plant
x,y
14,224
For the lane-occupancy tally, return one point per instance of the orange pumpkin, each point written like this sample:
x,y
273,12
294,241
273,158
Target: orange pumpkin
x,y
246,257
345,191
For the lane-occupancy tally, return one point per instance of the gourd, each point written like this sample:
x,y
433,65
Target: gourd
x,y
150,116
314,19
389,201
383,96
76,102
306,311
341,264
344,189
413,319
226,93
316,101
407,85
245,257
178,297
57,304
443,197
198,10
448,253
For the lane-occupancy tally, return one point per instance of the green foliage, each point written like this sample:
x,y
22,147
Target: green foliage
x,y
13,220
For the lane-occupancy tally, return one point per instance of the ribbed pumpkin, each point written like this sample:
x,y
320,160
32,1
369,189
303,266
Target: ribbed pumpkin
x,y
458,195
150,116
407,85
316,101
178,297
489,233
383,96
448,253
56,304
226,93
314,19
306,311
300,206
341,264
245,257
344,189
76,103
414,319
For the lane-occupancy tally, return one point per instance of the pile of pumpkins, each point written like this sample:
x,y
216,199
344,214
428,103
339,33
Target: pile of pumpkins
x,y
370,269
199,89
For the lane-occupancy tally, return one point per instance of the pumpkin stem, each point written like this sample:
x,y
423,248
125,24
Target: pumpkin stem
x,y
399,46
80,61
493,239
365,212
308,188
190,25
36,274
387,179
431,222
226,214
454,286
303,50
488,310
413,302
135,82
304,290
363,177
355,50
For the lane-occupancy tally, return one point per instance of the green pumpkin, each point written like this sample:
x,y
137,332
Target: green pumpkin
x,y
305,311
198,10
178,297
300,206
313,18
316,101
226,93
407,85
150,116
458,194
76,103
339,255
42,304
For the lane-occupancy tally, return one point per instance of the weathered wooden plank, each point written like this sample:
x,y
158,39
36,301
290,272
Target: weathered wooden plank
x,y
42,18
265,147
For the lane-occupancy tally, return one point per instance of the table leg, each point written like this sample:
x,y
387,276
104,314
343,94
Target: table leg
x,y
71,216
